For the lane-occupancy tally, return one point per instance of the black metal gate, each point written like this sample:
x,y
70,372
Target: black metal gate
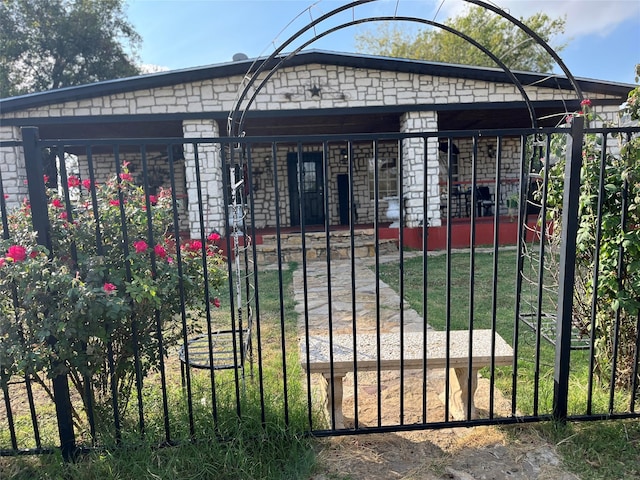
x,y
321,328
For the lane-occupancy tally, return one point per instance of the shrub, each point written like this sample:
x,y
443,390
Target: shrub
x,y
113,283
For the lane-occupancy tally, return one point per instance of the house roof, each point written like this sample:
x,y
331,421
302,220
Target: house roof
x,y
241,67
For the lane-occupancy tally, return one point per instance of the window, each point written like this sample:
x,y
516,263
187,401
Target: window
x,y
387,178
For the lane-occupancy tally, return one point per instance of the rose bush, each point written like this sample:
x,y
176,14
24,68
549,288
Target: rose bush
x,y
617,292
113,283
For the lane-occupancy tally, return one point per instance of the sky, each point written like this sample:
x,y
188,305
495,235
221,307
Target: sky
x,y
602,36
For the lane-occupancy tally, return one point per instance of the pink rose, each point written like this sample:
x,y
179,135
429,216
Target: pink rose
x,y
86,183
73,181
216,302
126,177
214,237
56,202
17,252
140,246
160,251
194,246
109,288
114,203
153,199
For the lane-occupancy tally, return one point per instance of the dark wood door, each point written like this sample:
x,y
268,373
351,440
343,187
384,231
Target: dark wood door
x,y
306,188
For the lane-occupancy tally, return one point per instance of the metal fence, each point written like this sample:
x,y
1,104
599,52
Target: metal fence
x,y
288,280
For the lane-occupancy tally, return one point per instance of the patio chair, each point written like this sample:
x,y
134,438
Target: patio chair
x,y
484,202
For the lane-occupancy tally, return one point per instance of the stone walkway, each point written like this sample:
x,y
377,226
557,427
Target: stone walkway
x,y
342,308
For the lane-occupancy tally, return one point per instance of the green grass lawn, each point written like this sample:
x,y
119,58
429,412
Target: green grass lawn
x,y
596,450
266,444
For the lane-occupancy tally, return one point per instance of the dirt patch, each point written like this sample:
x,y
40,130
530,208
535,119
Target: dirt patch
x,y
479,453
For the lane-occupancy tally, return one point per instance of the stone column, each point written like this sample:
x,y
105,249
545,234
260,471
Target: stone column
x,y
415,160
211,183
14,175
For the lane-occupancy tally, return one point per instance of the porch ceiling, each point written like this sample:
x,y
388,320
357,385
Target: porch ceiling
x,y
281,124
473,119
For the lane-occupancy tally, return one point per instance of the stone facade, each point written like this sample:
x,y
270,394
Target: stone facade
x,y
290,89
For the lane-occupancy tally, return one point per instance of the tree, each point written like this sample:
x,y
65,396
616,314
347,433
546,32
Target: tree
x,y
49,44
505,40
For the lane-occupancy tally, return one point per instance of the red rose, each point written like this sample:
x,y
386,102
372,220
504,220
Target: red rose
x,y
216,302
56,202
109,288
86,183
214,237
115,203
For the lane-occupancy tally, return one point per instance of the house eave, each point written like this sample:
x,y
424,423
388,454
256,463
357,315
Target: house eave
x,y
162,79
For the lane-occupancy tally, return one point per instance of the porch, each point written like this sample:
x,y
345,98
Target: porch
x,y
363,244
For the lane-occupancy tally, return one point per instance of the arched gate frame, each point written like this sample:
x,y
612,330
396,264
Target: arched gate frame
x,y
262,70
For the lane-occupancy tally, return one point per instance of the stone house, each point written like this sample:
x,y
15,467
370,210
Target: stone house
x,y
315,93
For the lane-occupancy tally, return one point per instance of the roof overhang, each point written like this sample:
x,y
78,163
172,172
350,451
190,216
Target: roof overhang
x,y
163,79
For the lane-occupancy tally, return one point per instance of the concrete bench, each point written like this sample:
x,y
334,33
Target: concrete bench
x,y
343,361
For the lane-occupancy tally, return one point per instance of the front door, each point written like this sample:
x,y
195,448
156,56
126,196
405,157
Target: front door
x,y
306,188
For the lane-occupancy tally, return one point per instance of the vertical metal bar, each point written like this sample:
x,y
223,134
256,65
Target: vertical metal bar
x,y
64,178
41,225
522,221
134,318
376,220
251,315
401,279
251,289
207,295
305,280
447,369
425,226
567,269
183,313
325,186
34,415
472,270
618,314
88,393
596,274
3,211
4,377
154,273
229,193
276,189
494,291
354,309
541,266
636,359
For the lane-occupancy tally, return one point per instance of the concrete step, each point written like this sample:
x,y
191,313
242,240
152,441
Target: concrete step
x,y
316,246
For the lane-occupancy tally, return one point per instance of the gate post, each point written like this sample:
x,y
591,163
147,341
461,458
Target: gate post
x,y
571,199
41,225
